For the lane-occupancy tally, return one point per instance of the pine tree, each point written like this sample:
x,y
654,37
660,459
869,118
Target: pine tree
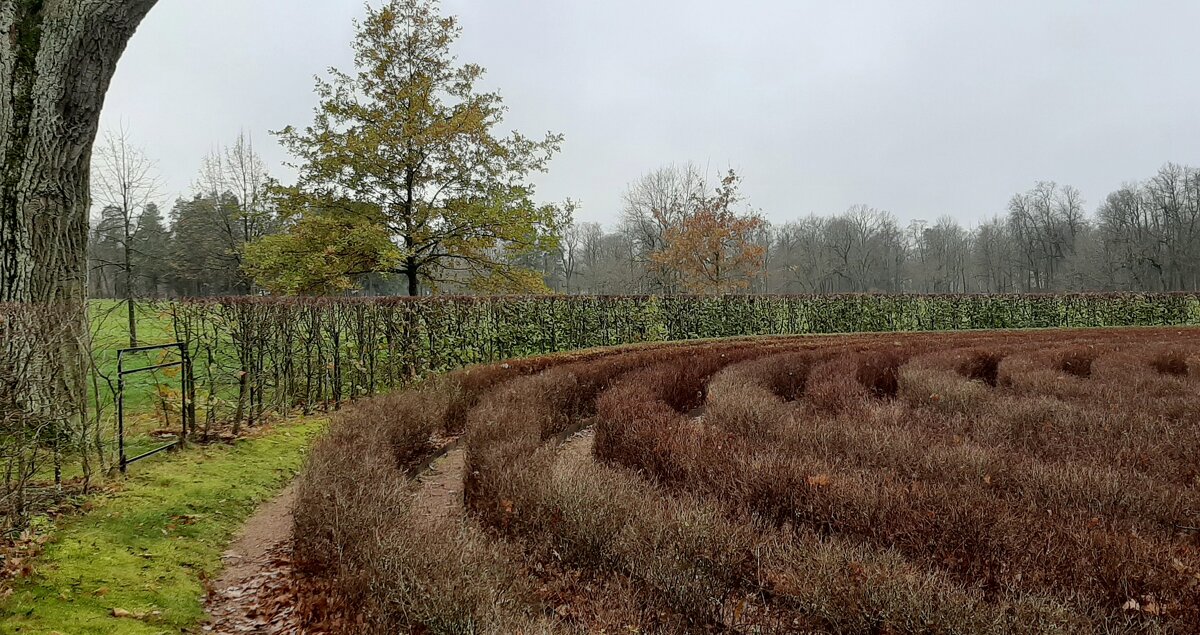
x,y
202,260
151,250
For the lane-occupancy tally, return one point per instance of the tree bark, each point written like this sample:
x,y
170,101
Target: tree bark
x,y
129,306
414,283
57,58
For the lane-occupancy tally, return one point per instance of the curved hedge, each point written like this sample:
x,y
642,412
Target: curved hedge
x,y
258,354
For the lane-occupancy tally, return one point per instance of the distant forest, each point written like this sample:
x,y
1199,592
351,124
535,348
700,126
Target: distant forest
x,y
1144,236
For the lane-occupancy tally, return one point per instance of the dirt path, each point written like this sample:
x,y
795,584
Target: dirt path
x,y
269,526
255,592
578,447
441,492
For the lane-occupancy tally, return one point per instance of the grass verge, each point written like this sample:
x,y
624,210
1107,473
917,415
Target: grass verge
x,y
145,551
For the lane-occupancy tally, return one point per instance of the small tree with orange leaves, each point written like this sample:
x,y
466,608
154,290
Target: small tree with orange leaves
x,y
712,250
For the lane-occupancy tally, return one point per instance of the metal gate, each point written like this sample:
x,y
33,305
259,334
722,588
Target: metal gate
x,y
185,366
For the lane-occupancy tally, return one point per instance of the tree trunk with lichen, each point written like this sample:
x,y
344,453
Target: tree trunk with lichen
x,y
57,58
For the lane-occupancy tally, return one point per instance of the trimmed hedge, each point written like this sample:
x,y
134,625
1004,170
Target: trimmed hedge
x,y
264,354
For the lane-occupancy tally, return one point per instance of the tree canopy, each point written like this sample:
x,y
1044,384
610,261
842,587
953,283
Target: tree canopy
x,y
324,251
409,136
712,249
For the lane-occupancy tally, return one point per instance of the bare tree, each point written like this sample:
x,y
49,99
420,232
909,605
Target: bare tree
x,y
863,243
591,255
763,239
569,244
1150,232
804,262
1173,199
994,255
941,256
656,202
1045,222
124,183
235,178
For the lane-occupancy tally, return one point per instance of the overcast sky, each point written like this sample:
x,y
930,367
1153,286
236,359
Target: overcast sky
x,y
923,108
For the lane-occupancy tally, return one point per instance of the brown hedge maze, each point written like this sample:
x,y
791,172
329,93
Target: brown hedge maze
x,y
982,482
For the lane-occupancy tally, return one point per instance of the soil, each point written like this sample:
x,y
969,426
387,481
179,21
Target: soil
x,y
255,592
441,492
269,526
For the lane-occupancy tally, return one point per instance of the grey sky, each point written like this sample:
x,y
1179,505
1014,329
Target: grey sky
x,y
923,108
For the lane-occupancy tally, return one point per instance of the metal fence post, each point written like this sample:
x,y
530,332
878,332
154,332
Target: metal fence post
x,y
185,381
121,410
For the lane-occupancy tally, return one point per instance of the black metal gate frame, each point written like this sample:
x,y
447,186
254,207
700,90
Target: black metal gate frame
x,y
185,366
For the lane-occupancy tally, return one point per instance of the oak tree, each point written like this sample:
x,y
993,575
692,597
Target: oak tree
x,y
713,249
409,134
57,58
323,252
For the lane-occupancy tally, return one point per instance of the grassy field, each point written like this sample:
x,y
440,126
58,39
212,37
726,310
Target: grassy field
x,y
146,548
110,332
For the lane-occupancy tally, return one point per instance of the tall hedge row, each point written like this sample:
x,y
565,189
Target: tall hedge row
x,y
255,355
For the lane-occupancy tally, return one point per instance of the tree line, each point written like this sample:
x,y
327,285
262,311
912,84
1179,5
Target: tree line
x,y
678,234
406,186
1145,236
197,247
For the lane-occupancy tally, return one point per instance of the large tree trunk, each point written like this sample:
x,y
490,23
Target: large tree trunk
x,y
57,58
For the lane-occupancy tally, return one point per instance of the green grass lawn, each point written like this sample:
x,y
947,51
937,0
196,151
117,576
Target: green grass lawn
x,y
146,548
110,332
153,400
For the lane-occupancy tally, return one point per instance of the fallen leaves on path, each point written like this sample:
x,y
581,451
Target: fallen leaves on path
x,y
262,602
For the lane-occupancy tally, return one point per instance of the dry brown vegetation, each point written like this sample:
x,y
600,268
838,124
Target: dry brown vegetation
x,y
984,482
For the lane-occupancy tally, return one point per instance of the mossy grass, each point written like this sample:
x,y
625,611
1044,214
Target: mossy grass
x,y
146,548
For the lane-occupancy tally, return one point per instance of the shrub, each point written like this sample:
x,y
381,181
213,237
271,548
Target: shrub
x,y
982,366
880,373
940,389
777,486
1077,362
1171,363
